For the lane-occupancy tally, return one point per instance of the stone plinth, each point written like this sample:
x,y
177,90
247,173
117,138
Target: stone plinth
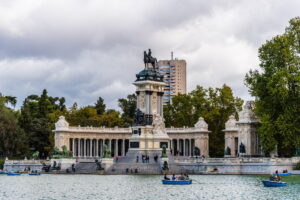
x,y
64,163
162,160
106,163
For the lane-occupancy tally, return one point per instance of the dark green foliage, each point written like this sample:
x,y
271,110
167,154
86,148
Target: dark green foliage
x,y
100,106
87,116
13,140
298,166
38,115
276,87
2,161
128,107
214,105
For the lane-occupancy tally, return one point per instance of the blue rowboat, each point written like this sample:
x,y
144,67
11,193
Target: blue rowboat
x,y
3,172
34,174
284,174
181,182
13,174
274,184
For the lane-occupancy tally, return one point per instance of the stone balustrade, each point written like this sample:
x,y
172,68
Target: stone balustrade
x,y
293,160
22,162
184,130
99,129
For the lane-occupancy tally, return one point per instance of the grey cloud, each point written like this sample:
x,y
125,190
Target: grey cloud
x,y
85,49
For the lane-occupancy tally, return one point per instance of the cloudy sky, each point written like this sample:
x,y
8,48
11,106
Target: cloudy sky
x,y
83,49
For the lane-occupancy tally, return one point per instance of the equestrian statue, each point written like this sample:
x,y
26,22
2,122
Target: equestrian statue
x,y
148,59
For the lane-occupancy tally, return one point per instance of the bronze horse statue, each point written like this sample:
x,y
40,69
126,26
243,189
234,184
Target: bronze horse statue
x,y
149,59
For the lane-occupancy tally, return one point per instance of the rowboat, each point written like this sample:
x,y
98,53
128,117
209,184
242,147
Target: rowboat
x,y
284,174
274,183
3,172
13,174
179,182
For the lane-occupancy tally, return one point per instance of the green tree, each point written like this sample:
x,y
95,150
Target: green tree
x,y
220,104
100,106
13,141
38,115
128,107
276,87
87,116
214,105
180,112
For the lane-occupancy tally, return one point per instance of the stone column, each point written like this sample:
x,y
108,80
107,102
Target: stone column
x,y
84,147
109,141
160,102
73,146
184,147
91,148
148,102
101,147
190,147
123,147
97,148
178,145
78,147
116,148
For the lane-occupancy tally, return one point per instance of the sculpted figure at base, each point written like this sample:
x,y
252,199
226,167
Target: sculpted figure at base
x,y
164,152
107,153
159,125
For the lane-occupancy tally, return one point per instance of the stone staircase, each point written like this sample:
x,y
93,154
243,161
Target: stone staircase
x,y
128,165
135,168
129,162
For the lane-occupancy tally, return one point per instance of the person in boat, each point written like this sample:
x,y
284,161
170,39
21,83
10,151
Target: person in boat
x,y
272,177
173,177
275,178
186,176
166,177
181,177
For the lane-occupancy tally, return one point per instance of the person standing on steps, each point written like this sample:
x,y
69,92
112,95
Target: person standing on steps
x,y
137,159
117,158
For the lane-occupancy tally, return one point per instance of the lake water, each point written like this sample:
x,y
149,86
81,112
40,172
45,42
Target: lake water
x,y
138,187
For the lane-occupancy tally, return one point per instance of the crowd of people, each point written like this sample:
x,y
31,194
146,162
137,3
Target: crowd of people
x,y
146,158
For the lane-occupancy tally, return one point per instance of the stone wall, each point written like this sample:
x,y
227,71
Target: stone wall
x,y
21,165
235,165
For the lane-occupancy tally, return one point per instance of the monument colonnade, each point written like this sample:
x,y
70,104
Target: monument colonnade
x,y
90,141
